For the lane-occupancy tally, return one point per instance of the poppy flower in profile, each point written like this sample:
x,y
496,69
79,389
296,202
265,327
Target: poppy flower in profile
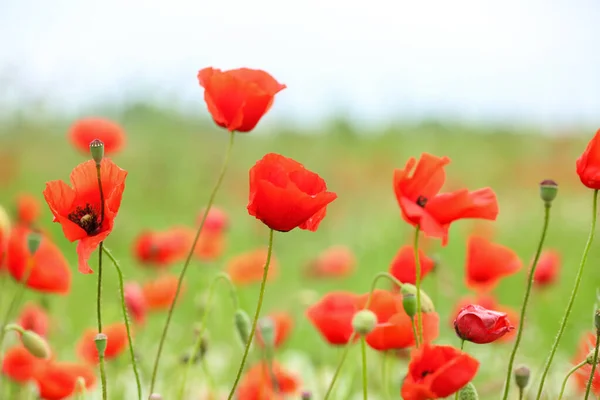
x,y
588,164
28,209
116,343
547,268
135,301
283,324
58,380
417,186
247,268
210,245
334,262
582,375
216,220
160,292
34,318
78,208
479,325
20,365
489,262
394,327
436,372
403,265
237,99
284,195
47,271
259,383
161,249
85,130
332,316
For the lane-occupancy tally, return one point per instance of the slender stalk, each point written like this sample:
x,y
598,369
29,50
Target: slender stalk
x,y
595,361
563,324
418,284
256,315
211,200
339,367
538,252
101,193
15,301
571,372
127,324
374,284
414,329
385,375
363,350
462,346
99,318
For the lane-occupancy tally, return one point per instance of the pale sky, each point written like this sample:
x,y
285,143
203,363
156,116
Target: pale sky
x,y
536,60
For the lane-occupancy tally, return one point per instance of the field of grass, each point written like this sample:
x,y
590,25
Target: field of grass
x,y
173,162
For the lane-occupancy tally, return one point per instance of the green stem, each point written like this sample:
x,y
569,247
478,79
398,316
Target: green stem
x,y
256,315
339,367
211,200
374,284
127,325
99,317
571,372
385,374
210,382
418,284
563,324
462,346
414,329
538,252
363,350
589,384
15,301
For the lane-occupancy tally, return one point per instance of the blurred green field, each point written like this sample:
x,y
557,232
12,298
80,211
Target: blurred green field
x,y
173,162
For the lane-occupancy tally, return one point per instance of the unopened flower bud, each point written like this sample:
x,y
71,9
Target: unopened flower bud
x,y
101,340
306,395
266,330
590,358
409,302
242,325
155,396
548,190
522,375
79,385
35,344
426,303
364,322
97,150
33,242
597,321
468,393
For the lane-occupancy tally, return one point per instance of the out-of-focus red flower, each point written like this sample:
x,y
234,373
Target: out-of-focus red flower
x,y
135,302
479,325
258,383
247,268
78,208
20,365
237,99
85,130
28,209
160,292
332,316
210,245
34,318
436,372
116,343
547,269
489,262
284,195
403,265
334,262
57,380
46,271
582,375
283,325
417,186
588,164
161,249
394,327
216,220
488,301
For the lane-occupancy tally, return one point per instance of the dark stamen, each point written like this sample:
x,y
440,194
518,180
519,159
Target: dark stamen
x,y
86,218
422,201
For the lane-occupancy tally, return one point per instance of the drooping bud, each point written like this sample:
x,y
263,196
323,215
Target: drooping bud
x,y
522,375
155,396
409,302
101,340
36,345
306,395
80,385
426,303
266,328
97,150
33,242
548,190
242,325
597,321
468,393
364,322
590,357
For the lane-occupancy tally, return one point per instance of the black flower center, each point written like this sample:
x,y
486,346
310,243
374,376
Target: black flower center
x,y
87,218
425,373
422,201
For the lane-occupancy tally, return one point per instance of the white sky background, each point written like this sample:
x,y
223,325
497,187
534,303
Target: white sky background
x,y
531,60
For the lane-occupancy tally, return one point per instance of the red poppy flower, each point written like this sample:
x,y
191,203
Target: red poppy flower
x,y
436,372
582,375
116,343
284,195
58,380
210,245
488,262
479,325
258,383
237,99
78,209
216,220
335,262
488,301
394,327
283,325
34,318
588,164
403,265
20,365
332,316
85,130
47,271
160,293
247,268
417,186
547,269
135,302
162,249
28,209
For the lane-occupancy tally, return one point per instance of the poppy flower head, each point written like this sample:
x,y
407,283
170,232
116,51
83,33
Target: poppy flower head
x,y
216,220
283,324
135,301
403,265
334,262
160,292
20,365
237,99
247,268
58,380
28,209
548,267
332,316
34,318
588,164
161,249
116,343
85,130
284,195
78,209
210,246
258,383
488,262
479,325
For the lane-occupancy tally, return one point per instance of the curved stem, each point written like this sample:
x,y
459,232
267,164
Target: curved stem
x,y
418,284
339,367
563,323
256,315
126,319
211,200
571,372
99,318
595,361
526,300
374,284
414,330
363,350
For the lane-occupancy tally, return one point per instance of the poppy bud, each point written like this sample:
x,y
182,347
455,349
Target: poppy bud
x,y
155,396
409,302
243,325
100,341
364,322
597,321
590,357
97,150
548,190
33,242
306,395
522,374
479,325
80,385
266,328
468,393
426,303
35,344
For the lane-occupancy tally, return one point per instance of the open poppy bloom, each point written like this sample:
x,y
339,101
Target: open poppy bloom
x,y
436,372
489,262
160,292
135,301
283,324
162,249
47,271
58,380
20,365
334,262
417,186
34,318
78,208
479,325
403,265
258,383
582,375
237,99
116,343
588,164
28,209
85,130
284,195
332,316
547,268
247,268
